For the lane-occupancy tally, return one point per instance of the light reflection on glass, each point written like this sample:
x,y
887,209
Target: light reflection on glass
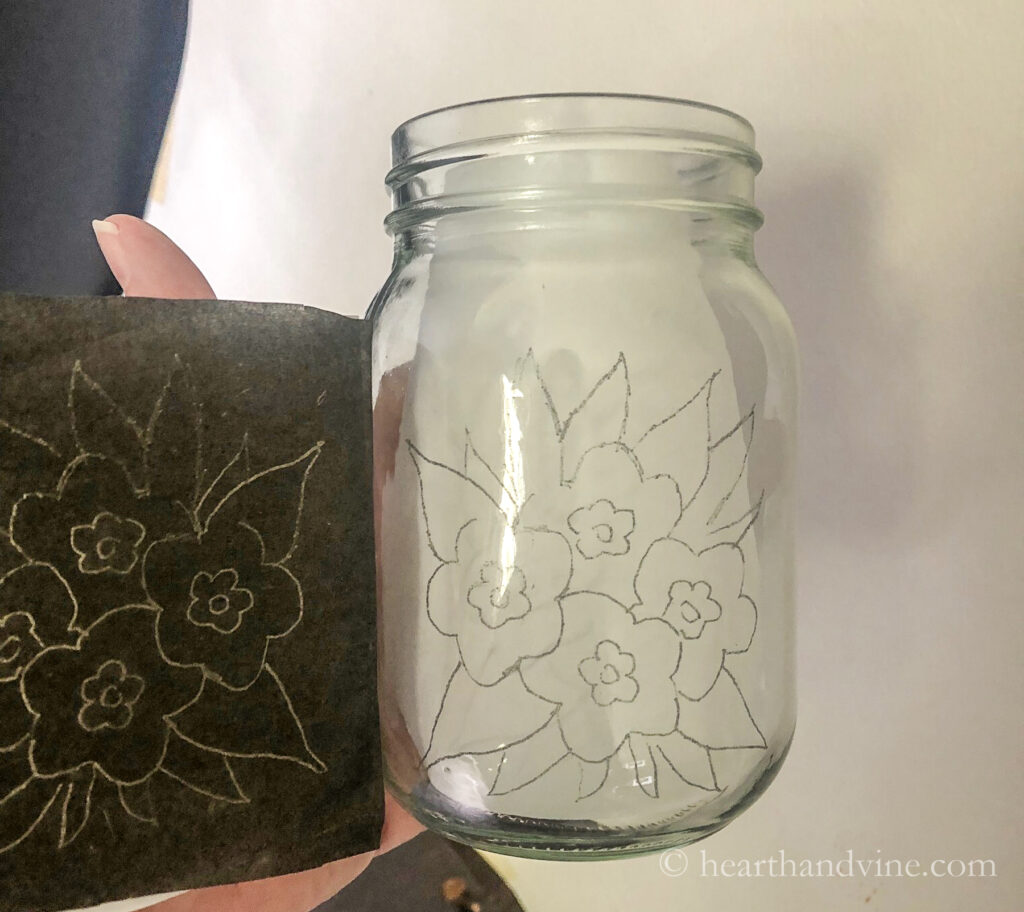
x,y
513,485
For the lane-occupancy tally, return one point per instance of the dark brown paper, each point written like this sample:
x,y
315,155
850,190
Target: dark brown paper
x,y
187,690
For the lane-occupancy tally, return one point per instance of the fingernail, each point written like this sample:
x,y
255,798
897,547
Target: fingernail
x,y
109,240
102,227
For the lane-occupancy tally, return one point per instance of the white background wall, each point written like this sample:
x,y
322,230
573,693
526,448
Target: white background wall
x,y
893,191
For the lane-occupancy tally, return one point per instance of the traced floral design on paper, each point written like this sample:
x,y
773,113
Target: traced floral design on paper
x,y
19,644
103,701
633,664
36,609
109,544
109,697
93,529
138,598
601,528
218,601
222,603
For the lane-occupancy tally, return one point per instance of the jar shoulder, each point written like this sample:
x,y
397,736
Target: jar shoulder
x,y
740,289
426,297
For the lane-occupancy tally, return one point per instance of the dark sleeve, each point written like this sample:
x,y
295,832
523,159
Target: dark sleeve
x,y
85,91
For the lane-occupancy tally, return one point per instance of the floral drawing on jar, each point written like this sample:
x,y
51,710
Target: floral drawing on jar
x,y
601,528
601,599
499,611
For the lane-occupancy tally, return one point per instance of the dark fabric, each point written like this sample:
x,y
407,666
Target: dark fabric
x,y
85,91
427,874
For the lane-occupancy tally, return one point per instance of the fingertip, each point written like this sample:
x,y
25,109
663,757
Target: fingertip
x,y
102,226
121,221
146,262
108,236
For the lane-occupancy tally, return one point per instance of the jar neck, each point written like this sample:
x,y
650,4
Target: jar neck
x,y
542,159
555,230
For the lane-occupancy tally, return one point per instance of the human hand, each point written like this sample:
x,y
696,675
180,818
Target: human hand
x,y
148,264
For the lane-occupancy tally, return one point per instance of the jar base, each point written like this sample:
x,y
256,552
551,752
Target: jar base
x,y
566,840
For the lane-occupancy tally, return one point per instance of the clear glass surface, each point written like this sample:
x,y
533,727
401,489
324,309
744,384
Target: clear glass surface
x,y
585,414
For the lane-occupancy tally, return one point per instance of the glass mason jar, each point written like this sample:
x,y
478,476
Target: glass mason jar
x,y
585,398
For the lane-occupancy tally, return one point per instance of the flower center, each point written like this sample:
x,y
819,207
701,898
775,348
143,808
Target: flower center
x,y
10,649
691,607
219,604
109,544
111,697
602,528
497,599
689,612
609,672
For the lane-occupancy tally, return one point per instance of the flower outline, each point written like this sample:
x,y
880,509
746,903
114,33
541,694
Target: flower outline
x,y
703,609
108,543
19,644
707,640
612,474
591,731
232,601
494,597
233,658
601,528
109,697
609,672
53,689
41,523
490,653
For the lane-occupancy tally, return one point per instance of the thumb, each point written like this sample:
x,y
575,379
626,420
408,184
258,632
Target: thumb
x,y
146,262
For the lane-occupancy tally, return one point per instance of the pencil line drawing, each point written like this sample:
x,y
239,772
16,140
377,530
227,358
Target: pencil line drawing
x,y
597,576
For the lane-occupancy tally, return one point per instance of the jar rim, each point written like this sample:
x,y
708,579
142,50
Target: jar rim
x,y
511,115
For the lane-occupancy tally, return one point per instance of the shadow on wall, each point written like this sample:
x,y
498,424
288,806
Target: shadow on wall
x,y
860,357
